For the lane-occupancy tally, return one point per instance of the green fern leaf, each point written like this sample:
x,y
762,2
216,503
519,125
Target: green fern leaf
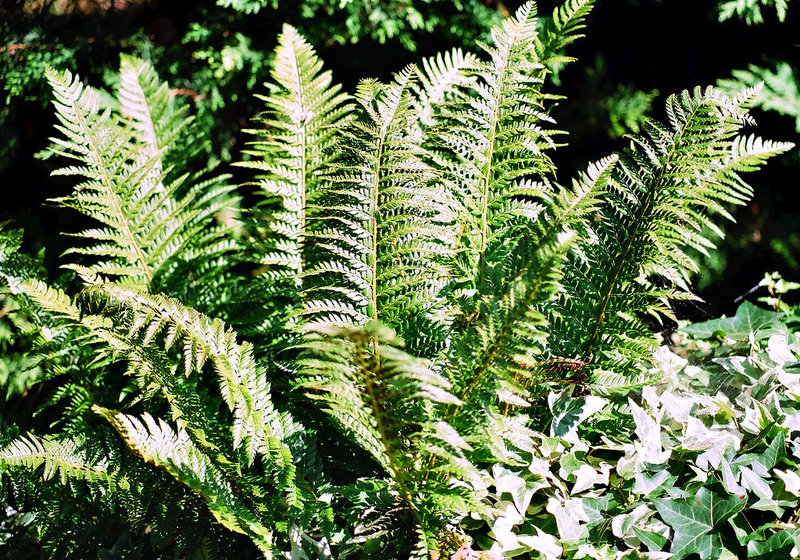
x,y
158,443
666,189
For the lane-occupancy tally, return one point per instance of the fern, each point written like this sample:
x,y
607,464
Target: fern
x,y
416,282
666,190
380,397
502,353
151,221
779,88
299,130
499,132
750,10
381,222
61,458
243,385
156,442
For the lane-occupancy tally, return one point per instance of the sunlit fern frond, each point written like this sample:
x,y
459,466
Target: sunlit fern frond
x,y
62,458
666,189
158,443
493,143
297,139
165,322
439,78
383,399
380,222
150,219
145,101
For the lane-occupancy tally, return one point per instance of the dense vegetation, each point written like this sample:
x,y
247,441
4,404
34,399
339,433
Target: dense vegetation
x,y
403,336
214,53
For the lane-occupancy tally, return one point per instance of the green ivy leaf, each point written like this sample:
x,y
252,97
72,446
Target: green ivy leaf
x,y
750,323
569,412
777,546
693,519
775,452
655,542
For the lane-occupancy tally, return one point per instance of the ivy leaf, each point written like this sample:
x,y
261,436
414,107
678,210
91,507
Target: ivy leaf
x,y
755,483
570,519
775,452
569,412
767,503
655,542
791,481
777,546
693,519
749,324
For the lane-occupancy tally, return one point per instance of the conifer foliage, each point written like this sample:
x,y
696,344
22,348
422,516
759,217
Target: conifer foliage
x,y
427,281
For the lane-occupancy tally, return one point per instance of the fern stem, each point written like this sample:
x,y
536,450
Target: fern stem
x,y
489,168
376,183
365,367
303,141
499,341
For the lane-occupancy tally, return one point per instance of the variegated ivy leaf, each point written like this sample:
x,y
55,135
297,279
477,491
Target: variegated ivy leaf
x,y
750,324
695,520
569,412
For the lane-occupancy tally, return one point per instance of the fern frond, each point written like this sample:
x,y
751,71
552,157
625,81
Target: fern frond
x,y
63,458
150,220
100,142
750,10
494,144
665,191
158,443
379,223
498,356
381,398
243,384
298,138
439,78
563,28
145,100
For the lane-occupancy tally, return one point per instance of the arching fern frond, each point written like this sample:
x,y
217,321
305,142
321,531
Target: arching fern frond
x,y
666,188
63,458
151,219
382,398
157,442
298,139
379,221
165,322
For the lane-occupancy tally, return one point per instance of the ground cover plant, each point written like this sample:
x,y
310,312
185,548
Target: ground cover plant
x,y
405,338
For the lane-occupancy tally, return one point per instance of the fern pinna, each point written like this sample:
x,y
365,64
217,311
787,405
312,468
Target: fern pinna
x,y
422,278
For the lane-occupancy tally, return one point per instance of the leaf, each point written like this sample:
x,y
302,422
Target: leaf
x,y
749,324
570,518
774,453
569,412
777,546
543,543
755,483
654,542
693,519
768,503
791,481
